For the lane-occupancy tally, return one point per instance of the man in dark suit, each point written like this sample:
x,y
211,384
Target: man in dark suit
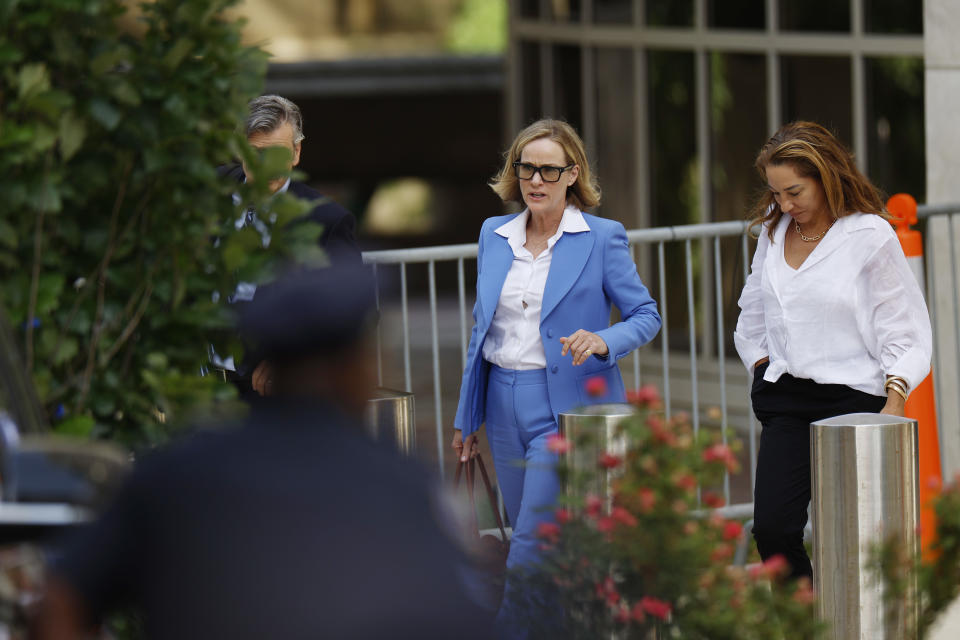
x,y
274,121
292,524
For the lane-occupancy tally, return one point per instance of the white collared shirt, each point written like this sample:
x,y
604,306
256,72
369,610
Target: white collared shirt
x,y
851,314
513,341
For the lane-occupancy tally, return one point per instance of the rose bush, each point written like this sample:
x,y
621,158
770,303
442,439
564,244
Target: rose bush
x,y
651,555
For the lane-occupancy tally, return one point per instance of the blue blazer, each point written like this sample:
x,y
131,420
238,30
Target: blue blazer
x,y
589,271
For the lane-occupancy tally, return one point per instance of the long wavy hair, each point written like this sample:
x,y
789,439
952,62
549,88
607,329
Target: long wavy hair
x,y
813,152
583,194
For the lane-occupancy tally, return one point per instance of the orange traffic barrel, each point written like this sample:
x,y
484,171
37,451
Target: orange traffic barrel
x,y
921,405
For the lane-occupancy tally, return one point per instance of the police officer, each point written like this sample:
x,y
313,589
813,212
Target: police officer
x,y
291,524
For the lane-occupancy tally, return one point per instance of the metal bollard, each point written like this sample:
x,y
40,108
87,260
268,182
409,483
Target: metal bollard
x,y
865,490
390,418
600,421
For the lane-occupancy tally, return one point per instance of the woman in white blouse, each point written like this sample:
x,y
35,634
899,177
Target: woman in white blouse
x,y
832,320
546,279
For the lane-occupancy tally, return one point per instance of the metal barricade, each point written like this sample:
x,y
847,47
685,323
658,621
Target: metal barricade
x,y
865,491
390,417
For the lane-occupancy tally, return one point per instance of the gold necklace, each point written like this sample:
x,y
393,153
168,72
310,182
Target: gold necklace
x,y
814,238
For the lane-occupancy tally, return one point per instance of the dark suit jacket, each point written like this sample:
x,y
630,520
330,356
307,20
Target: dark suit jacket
x,y
339,225
337,237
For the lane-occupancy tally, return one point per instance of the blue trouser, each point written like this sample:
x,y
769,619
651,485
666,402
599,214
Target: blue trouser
x,y
519,421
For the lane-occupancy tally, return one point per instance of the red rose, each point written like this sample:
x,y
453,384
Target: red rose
x,y
647,499
548,531
593,505
721,453
596,386
606,524
644,396
558,444
563,516
804,593
656,608
713,500
637,613
622,615
776,566
686,482
608,460
623,516
721,553
732,530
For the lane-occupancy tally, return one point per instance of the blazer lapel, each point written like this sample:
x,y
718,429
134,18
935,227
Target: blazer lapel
x,y
570,254
496,263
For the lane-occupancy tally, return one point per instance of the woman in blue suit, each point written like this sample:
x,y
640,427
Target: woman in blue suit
x,y
546,279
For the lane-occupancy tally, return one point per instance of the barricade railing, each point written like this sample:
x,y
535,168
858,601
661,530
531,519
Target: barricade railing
x,y
709,307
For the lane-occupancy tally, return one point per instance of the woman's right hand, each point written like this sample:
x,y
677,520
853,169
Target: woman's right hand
x,y
465,448
760,362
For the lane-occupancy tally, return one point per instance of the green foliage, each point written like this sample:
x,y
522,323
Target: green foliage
x,y
932,580
479,27
633,552
110,266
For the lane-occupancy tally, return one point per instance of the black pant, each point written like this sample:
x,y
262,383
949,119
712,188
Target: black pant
x,y
786,408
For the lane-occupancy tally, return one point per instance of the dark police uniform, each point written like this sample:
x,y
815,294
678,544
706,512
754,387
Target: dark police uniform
x,y
291,524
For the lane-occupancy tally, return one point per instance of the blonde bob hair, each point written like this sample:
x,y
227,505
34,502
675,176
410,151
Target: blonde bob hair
x,y
584,193
813,152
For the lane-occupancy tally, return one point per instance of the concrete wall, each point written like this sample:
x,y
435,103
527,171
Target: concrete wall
x,y
942,60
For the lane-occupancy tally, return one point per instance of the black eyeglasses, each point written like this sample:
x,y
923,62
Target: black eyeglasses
x,y
525,171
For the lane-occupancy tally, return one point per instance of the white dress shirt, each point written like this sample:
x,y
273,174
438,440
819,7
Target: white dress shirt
x,y
513,341
851,314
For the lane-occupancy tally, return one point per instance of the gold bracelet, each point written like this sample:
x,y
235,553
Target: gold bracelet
x,y
901,381
896,388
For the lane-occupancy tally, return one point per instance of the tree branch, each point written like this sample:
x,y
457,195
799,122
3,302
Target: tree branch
x,y
102,286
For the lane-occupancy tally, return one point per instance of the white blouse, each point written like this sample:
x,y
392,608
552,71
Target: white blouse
x,y
851,314
513,341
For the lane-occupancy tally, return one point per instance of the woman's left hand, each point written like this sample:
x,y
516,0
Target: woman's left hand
x,y
895,406
582,344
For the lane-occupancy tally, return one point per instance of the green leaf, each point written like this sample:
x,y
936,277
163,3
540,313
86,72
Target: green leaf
x,y
157,360
32,79
104,113
79,426
45,197
124,92
8,235
72,133
177,53
69,348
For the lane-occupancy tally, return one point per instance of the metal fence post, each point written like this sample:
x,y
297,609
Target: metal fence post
x,y
865,490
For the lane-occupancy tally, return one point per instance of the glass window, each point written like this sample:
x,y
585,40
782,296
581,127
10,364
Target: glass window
x,y
893,16
818,88
564,10
670,13
737,14
567,98
738,107
815,15
529,8
616,160
531,104
613,11
895,129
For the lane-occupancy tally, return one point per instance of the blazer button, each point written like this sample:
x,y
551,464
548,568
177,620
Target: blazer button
x,y
549,333
554,368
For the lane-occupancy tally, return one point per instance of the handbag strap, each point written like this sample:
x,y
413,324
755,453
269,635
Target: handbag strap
x,y
491,495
